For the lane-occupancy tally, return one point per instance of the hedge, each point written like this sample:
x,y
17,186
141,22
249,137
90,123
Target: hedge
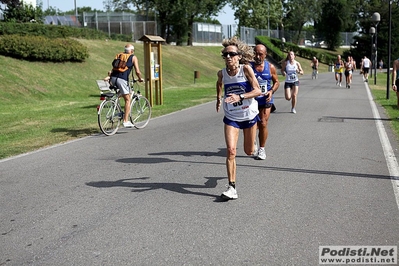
x,y
40,48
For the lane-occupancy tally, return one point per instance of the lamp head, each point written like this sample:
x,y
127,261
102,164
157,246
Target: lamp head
x,y
376,17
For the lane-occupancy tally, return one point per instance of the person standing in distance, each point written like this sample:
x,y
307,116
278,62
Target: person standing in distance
x,y
395,78
290,68
266,74
121,80
240,87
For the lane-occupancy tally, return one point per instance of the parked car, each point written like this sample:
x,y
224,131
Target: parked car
x,y
320,44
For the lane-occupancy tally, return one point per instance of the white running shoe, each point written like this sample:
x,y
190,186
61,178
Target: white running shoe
x,y
128,124
293,111
230,193
340,84
261,154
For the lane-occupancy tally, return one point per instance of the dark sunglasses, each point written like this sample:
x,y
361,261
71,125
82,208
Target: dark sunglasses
x,y
231,54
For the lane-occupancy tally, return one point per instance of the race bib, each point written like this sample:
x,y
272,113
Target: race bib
x,y
263,87
291,77
238,107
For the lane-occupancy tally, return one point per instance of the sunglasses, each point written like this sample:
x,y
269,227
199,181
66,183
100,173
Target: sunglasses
x,y
231,54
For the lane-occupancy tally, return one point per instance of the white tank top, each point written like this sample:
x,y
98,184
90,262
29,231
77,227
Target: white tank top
x,y
291,72
243,110
366,63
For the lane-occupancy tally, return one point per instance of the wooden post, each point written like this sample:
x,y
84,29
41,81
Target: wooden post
x,y
153,67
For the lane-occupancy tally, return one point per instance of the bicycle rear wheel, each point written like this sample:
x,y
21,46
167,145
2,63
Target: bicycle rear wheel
x,y
140,111
109,117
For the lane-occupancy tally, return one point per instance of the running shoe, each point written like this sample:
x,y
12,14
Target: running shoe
x,y
230,193
261,154
128,124
293,111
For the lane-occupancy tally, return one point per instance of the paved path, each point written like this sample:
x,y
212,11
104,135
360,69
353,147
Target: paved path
x,y
151,196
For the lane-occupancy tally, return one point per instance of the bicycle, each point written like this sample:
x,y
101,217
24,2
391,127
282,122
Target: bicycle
x,y
110,113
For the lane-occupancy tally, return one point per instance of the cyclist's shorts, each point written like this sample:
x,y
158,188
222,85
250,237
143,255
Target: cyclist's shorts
x,y
243,124
121,84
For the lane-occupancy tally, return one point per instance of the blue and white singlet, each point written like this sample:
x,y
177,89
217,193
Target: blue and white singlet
x,y
265,82
243,110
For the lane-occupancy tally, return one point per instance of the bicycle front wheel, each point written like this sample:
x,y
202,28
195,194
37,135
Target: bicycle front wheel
x,y
140,111
109,117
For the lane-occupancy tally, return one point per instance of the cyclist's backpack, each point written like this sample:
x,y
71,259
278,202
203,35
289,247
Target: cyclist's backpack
x,y
120,61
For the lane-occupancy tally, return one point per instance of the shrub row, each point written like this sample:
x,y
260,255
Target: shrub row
x,y
40,48
50,31
58,31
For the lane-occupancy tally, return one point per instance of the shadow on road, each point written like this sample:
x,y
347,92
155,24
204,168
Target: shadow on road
x,y
170,186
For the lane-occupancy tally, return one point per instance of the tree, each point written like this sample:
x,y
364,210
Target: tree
x,y
17,11
52,11
337,16
176,17
258,14
298,13
363,42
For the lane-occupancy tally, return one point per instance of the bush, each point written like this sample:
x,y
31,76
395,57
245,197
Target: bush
x,y
50,31
273,43
40,48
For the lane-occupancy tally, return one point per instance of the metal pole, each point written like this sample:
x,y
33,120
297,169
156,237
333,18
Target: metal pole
x,y
268,19
371,56
76,10
375,58
389,48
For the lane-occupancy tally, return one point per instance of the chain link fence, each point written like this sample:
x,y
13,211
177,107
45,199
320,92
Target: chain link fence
x,y
203,34
120,23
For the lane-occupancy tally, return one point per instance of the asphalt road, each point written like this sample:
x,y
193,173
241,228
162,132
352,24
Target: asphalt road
x,y
151,196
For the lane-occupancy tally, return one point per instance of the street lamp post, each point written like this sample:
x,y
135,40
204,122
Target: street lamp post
x,y
376,19
372,33
389,46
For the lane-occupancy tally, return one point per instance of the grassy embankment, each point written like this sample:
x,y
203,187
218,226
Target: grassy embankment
x,y
48,103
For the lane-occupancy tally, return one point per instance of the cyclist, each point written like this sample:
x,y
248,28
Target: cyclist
x,y
315,65
121,80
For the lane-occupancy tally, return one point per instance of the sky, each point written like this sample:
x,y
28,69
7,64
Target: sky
x,y
226,16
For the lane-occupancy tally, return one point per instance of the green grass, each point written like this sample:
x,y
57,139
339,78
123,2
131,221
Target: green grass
x,y
379,92
48,103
